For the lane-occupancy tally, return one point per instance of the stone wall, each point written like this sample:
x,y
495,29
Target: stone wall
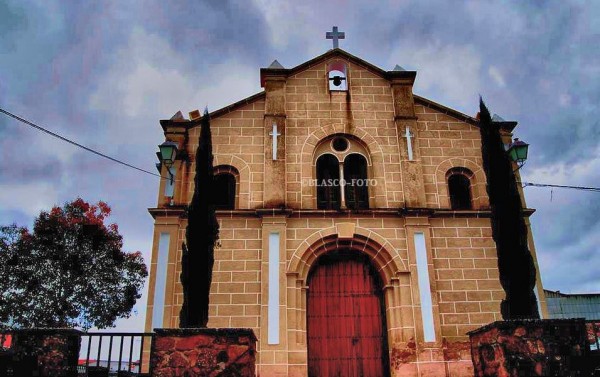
x,y
451,359
45,352
203,352
554,347
466,268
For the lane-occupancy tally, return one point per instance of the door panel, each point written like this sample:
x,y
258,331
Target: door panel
x,y
345,318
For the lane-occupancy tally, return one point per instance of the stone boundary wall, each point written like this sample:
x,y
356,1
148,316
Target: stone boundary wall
x,y
551,347
44,352
203,352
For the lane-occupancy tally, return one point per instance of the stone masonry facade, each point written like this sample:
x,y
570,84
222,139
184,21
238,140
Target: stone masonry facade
x,y
411,196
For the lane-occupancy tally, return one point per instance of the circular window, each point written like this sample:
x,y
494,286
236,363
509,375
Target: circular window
x,y
339,144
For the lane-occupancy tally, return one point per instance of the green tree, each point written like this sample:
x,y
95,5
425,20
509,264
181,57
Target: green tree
x,y
70,271
515,263
201,234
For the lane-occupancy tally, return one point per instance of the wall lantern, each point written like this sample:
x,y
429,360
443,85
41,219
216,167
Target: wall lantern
x,y
167,155
517,151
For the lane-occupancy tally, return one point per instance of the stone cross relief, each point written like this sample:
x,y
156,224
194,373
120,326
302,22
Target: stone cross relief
x,y
408,135
274,134
335,35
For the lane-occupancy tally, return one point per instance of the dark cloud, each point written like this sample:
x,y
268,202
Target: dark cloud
x,y
568,136
55,56
565,219
546,52
207,31
11,20
24,170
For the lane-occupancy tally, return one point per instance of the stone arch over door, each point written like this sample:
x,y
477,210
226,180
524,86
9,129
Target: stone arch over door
x,y
308,199
391,268
367,241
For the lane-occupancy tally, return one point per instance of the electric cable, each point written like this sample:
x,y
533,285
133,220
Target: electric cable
x,y
583,188
40,128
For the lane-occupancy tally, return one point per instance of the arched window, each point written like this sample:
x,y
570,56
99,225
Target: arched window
x,y
328,176
459,188
342,173
225,187
355,175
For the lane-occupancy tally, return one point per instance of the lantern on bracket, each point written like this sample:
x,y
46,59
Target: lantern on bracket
x,y
167,154
517,151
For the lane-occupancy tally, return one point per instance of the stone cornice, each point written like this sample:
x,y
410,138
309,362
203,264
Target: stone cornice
x,y
179,211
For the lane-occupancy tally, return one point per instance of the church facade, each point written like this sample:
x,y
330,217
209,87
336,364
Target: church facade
x,y
355,236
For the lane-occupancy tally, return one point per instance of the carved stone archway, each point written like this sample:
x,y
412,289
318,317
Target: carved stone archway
x,y
386,260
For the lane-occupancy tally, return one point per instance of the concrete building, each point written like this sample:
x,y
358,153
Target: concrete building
x,y
381,276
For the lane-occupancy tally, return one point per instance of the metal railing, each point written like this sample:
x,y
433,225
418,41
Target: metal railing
x,y
115,351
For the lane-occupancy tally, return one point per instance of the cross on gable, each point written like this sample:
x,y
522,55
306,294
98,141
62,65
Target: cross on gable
x,y
335,35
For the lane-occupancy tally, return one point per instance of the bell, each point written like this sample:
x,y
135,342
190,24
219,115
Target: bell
x,y
337,80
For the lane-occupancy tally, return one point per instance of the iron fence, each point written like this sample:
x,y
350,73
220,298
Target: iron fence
x,y
115,352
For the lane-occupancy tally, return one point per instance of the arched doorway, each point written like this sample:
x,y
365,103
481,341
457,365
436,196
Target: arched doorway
x,y
346,317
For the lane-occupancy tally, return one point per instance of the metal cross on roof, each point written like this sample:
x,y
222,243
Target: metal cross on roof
x,y
335,35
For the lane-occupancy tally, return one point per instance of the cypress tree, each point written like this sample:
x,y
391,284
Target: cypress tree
x,y
201,235
515,263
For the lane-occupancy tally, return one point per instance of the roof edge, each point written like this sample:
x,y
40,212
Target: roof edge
x,y
234,106
336,51
508,126
559,293
214,114
446,110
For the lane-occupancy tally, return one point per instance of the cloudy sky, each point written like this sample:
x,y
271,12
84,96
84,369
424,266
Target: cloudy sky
x,y
104,73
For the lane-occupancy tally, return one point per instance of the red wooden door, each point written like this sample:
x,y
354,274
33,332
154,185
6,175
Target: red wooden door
x,y
345,319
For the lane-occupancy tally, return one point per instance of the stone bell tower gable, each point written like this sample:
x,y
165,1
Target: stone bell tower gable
x,y
364,110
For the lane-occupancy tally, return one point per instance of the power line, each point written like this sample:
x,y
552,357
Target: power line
x,y
583,188
40,128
